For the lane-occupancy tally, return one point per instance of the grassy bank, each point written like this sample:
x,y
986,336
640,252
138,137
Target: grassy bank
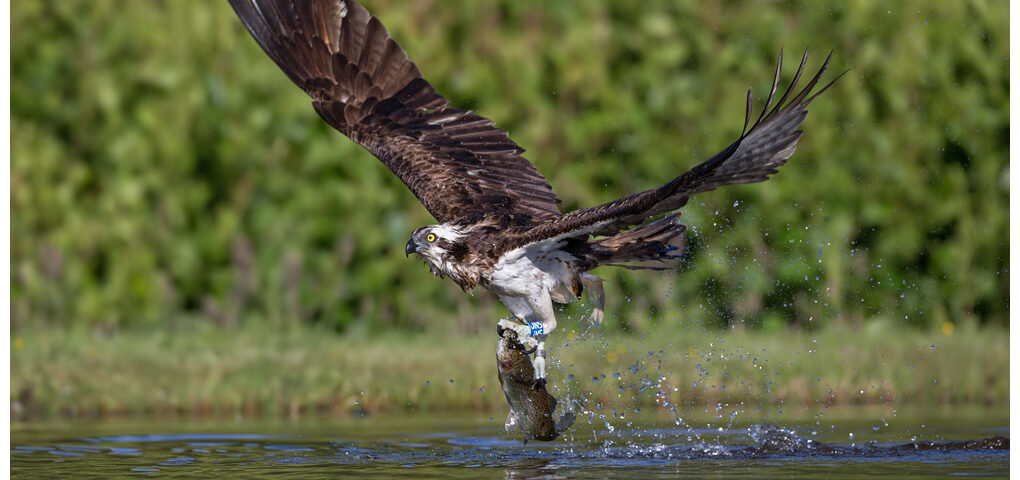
x,y
211,371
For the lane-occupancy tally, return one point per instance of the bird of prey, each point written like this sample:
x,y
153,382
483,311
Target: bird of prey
x,y
499,221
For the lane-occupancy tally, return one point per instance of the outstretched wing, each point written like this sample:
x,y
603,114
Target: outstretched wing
x,y
751,158
458,164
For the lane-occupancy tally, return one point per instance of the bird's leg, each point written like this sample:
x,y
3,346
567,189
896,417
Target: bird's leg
x,y
542,308
536,311
597,295
539,362
515,341
519,307
522,333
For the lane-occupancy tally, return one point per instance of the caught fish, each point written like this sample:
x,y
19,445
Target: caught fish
x,y
531,405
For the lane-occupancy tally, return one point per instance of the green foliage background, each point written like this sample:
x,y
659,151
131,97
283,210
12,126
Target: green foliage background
x,y
164,170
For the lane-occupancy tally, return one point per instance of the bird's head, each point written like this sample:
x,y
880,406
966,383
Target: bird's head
x,y
441,248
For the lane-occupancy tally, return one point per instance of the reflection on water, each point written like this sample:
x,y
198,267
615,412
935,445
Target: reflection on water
x,y
387,447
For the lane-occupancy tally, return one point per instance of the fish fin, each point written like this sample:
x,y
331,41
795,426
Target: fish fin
x,y
511,421
566,421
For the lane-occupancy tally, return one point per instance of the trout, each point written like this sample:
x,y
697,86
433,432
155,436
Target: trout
x,y
531,405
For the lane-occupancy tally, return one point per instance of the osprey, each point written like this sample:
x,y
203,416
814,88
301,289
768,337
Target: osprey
x,y
499,224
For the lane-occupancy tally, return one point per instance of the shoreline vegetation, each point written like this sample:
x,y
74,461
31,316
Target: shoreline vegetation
x,y
211,371
157,175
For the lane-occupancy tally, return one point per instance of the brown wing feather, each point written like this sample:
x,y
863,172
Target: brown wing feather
x,y
751,158
458,164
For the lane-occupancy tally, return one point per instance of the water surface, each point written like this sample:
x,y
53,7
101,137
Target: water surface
x,y
449,446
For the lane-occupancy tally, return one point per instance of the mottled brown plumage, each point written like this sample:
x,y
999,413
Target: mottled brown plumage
x,y
500,226
457,163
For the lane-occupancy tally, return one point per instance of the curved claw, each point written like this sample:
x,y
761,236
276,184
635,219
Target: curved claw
x,y
516,345
529,341
515,341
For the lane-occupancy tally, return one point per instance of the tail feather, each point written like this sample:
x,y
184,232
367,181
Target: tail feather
x,y
654,246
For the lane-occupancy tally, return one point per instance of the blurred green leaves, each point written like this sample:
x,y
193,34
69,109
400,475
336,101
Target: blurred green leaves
x,y
164,169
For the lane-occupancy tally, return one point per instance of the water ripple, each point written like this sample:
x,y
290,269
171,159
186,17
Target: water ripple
x,y
624,452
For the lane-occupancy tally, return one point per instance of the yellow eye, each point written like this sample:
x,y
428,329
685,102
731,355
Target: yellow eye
x,y
431,237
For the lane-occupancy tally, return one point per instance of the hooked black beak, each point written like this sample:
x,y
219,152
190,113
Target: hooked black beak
x,y
410,248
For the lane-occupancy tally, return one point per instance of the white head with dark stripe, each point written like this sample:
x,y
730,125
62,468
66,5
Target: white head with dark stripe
x,y
441,248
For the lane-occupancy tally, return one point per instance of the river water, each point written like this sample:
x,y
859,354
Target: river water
x,y
829,443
